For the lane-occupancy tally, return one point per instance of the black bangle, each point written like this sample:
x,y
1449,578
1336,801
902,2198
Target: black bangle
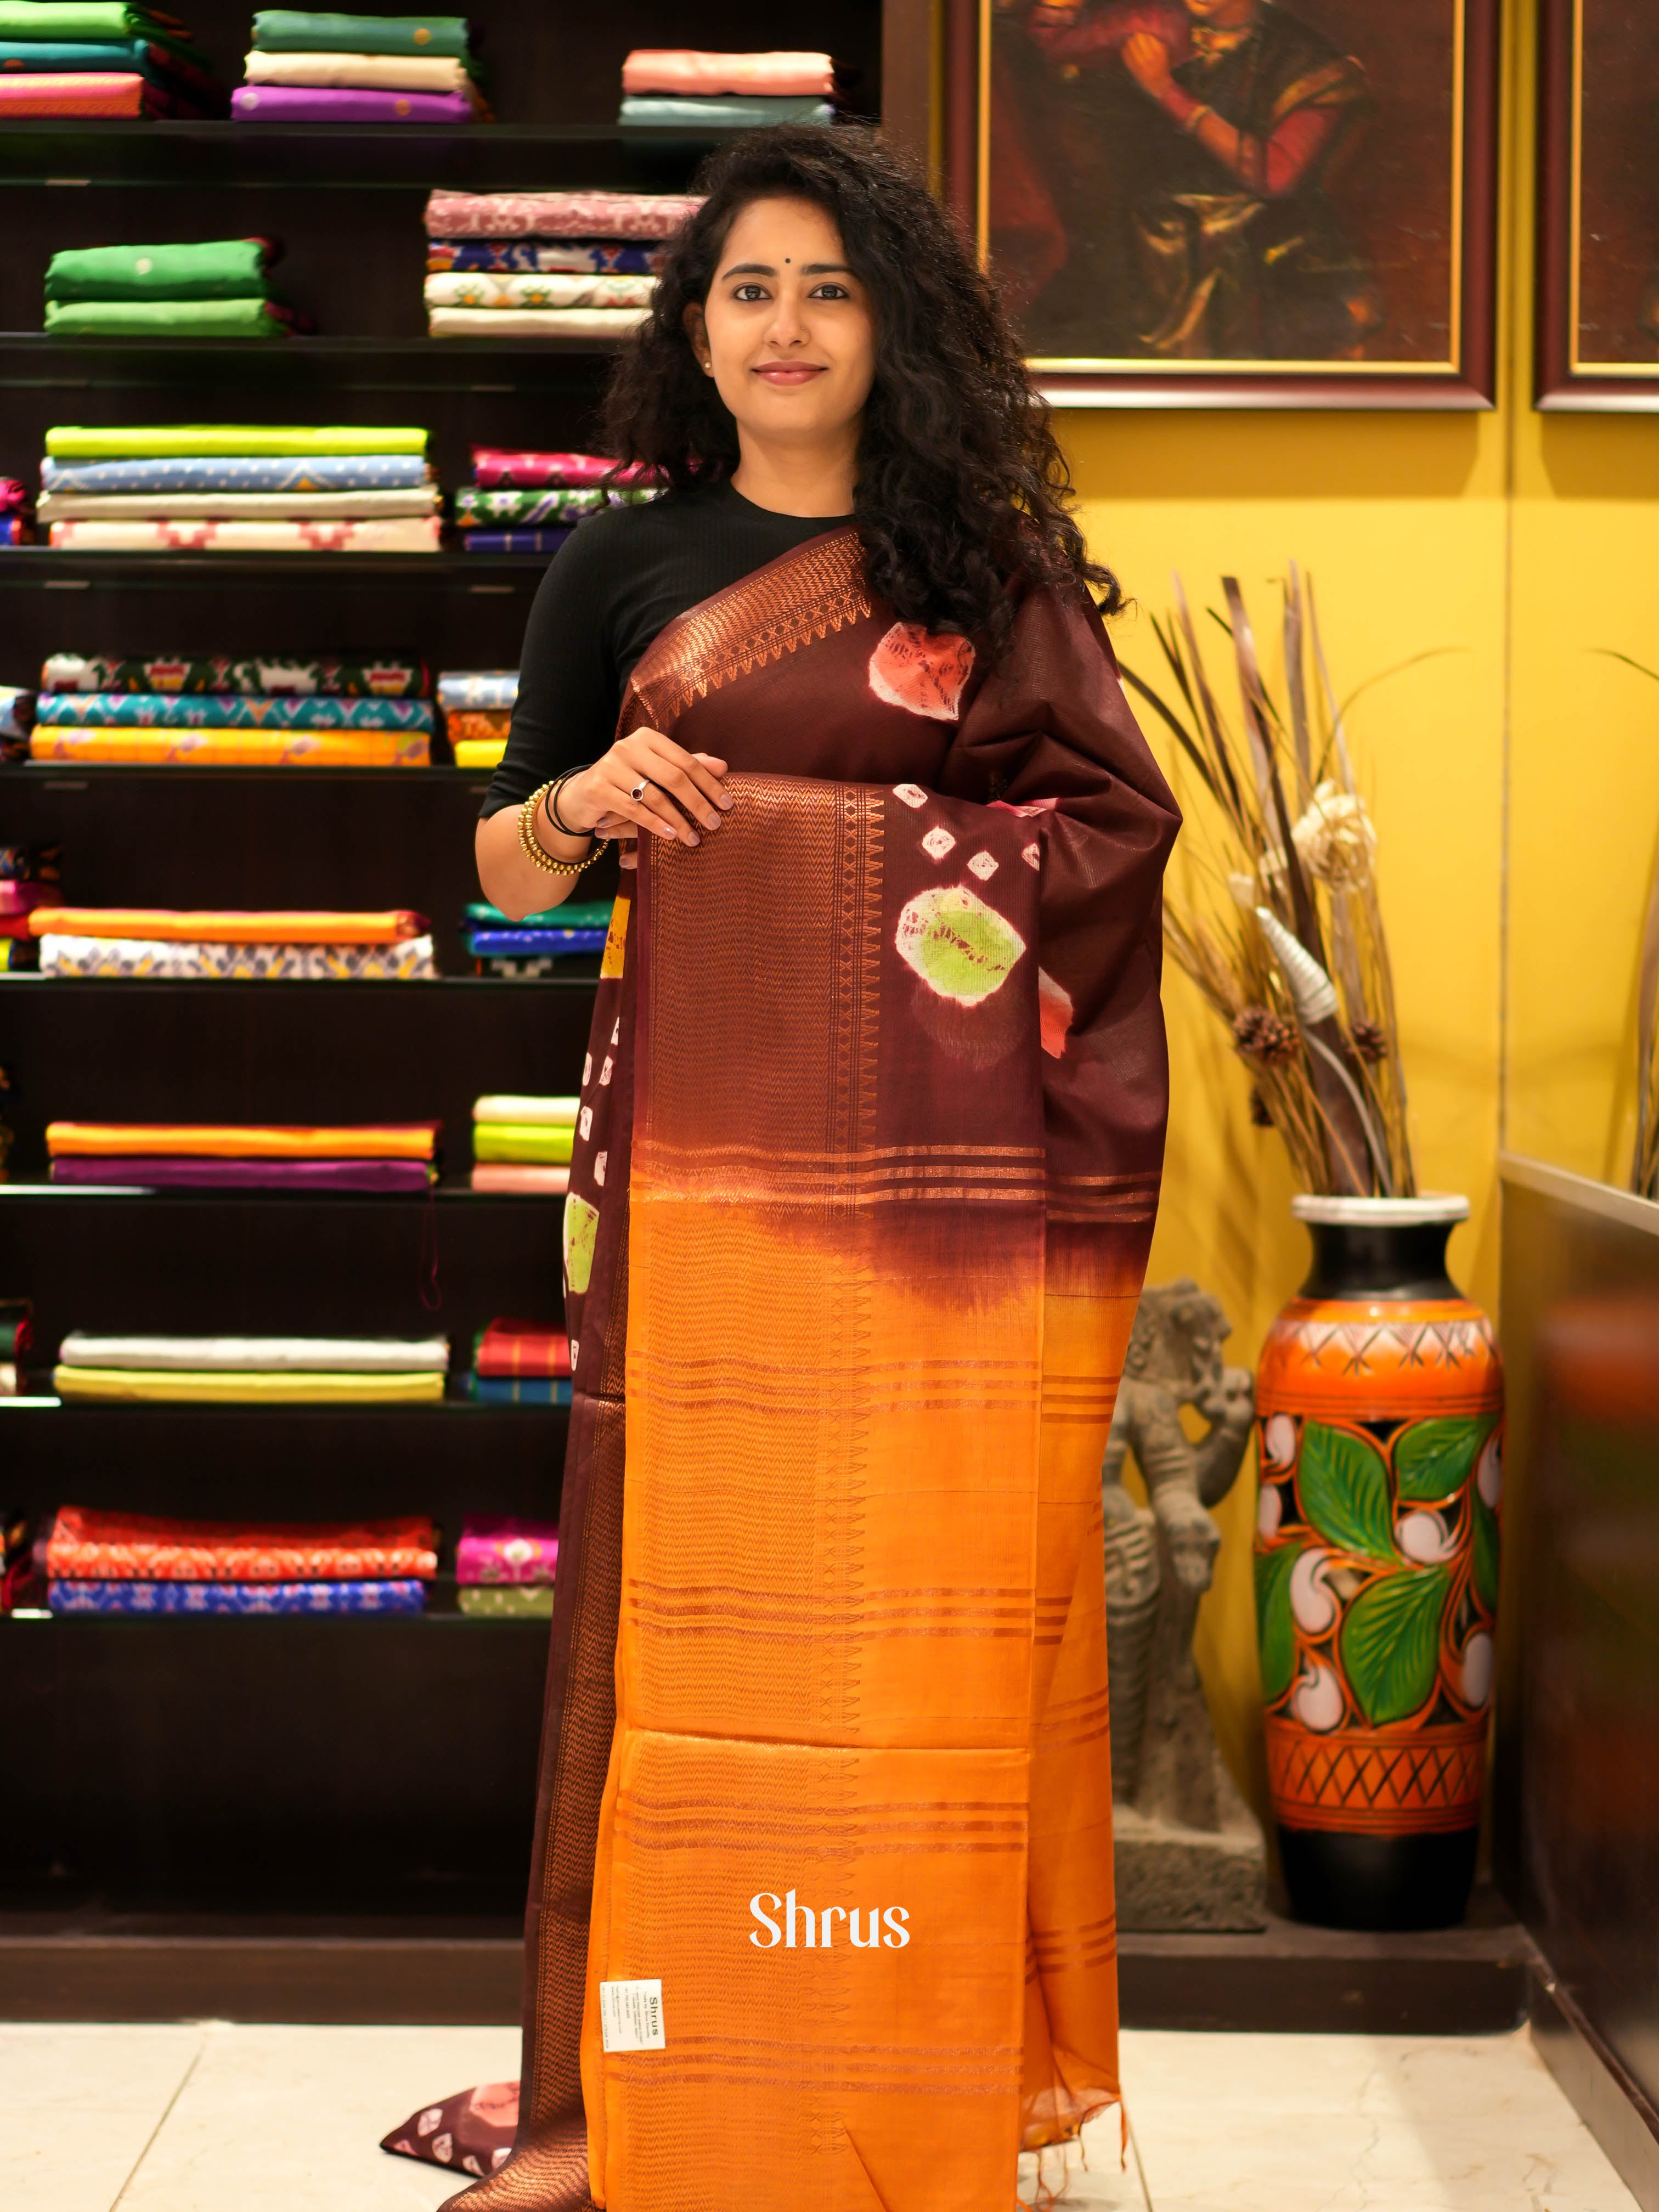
x,y
552,802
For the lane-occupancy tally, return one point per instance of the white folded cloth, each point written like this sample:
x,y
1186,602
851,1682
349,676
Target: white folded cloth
x,y
361,72
502,1106
534,322
315,1355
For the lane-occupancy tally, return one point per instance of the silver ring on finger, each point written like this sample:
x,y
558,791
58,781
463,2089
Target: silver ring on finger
x,y
639,789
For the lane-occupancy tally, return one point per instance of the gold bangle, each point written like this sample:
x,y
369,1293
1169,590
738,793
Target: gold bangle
x,y
537,853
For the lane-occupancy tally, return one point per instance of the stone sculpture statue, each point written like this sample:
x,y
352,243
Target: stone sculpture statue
x,y
1189,1852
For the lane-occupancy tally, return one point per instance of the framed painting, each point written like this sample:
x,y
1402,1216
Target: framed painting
x,y
1598,214
1235,202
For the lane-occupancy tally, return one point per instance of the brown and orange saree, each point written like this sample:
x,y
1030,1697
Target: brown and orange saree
x,y
866,1171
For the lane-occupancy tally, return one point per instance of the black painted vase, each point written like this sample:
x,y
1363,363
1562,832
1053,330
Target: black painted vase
x,y
1379,1407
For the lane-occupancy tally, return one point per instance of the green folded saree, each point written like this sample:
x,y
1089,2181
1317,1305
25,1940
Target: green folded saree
x,y
215,269
225,441
293,30
163,319
534,1142
78,20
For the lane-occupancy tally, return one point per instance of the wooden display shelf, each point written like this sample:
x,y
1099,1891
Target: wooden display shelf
x,y
39,568
473,156
302,371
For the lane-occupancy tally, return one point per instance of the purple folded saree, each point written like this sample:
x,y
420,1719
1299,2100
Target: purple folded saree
x,y
166,1173
298,103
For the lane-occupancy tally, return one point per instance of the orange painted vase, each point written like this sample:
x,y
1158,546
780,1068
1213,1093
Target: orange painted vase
x,y
1379,1433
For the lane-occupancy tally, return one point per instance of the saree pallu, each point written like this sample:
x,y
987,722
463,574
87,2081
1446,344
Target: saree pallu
x,y
853,1241
230,711
324,677
557,215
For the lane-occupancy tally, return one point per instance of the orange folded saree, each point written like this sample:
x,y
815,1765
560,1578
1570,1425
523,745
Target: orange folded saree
x,y
171,925
867,1161
400,1140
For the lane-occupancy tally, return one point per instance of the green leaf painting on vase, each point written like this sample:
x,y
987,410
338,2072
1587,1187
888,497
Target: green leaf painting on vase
x,y
1390,1642
1275,1630
1342,1481
1434,1459
1486,1554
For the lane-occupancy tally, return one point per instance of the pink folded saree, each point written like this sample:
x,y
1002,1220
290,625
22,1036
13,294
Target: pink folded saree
x,y
557,215
679,69
298,103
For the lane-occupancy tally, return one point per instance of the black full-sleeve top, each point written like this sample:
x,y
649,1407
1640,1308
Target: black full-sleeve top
x,y
621,580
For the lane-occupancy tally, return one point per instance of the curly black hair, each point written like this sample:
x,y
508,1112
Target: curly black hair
x,y
962,487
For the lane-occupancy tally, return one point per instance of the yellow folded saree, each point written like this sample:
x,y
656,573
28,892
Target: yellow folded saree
x,y
232,1386
173,926
391,1140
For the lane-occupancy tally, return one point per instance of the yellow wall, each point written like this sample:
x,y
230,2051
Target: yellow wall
x,y
1520,541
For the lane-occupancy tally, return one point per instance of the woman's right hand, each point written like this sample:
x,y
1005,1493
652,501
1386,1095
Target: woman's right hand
x,y
680,789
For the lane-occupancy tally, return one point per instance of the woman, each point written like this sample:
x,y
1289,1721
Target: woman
x,y
866,1169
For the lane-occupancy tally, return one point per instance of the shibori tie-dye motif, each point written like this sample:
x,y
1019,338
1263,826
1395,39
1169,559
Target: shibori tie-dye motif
x,y
838,1292
472,2132
914,668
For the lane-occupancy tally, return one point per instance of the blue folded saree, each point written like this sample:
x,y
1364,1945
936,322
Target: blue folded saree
x,y
214,472
511,943
159,1597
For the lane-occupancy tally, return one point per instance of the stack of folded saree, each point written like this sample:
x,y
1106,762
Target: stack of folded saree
x,y
17,1337
230,730
213,711
239,488
100,58
544,265
537,945
519,1363
673,88
253,1369
310,68
478,709
16,512
217,288
530,502
523,1145
393,1156
29,879
298,947
504,1569
97,1561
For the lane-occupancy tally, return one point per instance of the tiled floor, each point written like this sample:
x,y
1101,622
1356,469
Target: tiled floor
x,y
208,2117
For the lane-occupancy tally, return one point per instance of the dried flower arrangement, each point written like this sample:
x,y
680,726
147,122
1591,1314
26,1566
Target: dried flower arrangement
x,y
1285,938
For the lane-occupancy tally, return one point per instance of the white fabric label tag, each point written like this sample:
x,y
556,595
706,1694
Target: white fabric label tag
x,y
630,2016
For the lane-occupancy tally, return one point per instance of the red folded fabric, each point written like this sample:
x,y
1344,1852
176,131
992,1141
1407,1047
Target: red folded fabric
x,y
522,1347
88,1543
